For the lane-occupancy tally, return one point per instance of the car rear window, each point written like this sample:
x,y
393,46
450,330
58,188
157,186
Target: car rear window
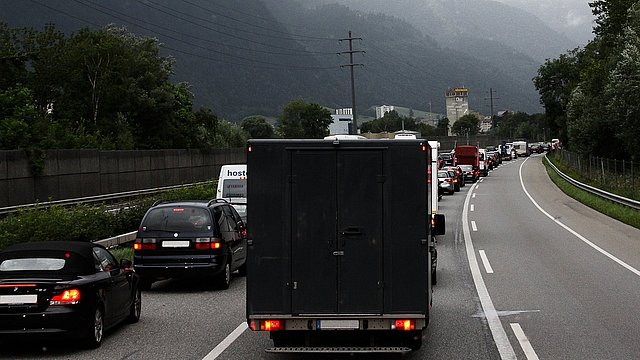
x,y
177,218
234,188
55,262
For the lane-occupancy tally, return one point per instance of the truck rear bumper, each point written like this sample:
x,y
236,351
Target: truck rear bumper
x,y
338,322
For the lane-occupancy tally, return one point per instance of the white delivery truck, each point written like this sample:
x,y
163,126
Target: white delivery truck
x,y
232,182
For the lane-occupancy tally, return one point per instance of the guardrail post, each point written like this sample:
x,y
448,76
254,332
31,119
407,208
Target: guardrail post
x,y
602,166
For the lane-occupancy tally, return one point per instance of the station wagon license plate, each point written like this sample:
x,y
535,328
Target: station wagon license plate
x,y
176,243
339,324
18,299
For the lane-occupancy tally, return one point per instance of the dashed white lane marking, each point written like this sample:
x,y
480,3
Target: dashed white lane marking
x,y
524,342
485,262
472,207
495,325
585,240
473,226
226,342
474,194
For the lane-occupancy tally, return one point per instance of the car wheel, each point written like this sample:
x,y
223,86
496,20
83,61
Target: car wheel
x,y
136,308
95,329
145,283
223,280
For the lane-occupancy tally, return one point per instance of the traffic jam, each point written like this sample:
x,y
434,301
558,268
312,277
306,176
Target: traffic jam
x,y
468,163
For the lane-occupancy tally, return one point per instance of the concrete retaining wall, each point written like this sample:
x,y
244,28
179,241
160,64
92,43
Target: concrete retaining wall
x,y
80,173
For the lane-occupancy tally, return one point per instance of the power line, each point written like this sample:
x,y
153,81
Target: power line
x,y
309,38
272,65
215,30
181,33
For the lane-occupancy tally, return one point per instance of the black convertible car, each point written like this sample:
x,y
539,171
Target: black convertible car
x,y
75,289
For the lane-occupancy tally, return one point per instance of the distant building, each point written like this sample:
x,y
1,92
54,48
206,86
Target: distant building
x,y
457,101
381,110
486,124
342,120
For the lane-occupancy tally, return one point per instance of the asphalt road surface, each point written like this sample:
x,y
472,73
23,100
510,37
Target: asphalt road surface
x,y
524,272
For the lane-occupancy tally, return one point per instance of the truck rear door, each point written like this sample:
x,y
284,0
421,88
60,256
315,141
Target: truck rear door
x,y
337,231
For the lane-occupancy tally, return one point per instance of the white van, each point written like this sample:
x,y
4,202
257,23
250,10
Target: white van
x,y
521,147
232,182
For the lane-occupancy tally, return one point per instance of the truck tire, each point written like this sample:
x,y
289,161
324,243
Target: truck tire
x,y
414,340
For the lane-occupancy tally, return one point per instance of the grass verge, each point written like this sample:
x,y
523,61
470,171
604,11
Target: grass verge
x,y
619,212
122,252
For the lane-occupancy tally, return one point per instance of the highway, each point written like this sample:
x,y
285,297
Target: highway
x,y
524,272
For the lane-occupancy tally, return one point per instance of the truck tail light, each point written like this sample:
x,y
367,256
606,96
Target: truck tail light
x,y
67,297
405,325
266,325
144,244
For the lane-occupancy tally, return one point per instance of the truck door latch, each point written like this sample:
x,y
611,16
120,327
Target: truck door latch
x,y
338,253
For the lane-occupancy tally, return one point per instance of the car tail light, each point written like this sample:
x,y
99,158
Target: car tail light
x,y
207,243
267,325
144,244
67,297
405,325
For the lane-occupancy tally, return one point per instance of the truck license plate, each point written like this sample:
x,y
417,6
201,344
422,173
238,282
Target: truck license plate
x,y
339,324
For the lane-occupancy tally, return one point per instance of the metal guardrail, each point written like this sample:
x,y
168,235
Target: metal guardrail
x,y
117,240
595,191
97,198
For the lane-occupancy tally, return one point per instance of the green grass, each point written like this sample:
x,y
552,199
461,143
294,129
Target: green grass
x,y
622,213
123,252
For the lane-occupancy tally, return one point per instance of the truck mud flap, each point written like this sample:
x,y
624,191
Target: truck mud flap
x,y
341,350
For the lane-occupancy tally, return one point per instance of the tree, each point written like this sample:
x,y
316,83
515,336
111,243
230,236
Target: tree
x,y
257,127
467,125
443,127
304,120
623,86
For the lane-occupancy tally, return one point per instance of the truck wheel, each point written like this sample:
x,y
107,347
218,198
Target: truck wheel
x,y
243,269
414,340
145,283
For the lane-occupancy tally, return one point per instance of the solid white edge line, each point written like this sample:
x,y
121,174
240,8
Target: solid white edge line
x,y
495,325
473,226
524,342
585,240
472,207
220,348
485,262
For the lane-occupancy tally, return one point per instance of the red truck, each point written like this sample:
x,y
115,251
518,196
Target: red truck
x,y
469,155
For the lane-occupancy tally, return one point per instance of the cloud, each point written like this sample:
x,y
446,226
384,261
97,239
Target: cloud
x,y
574,19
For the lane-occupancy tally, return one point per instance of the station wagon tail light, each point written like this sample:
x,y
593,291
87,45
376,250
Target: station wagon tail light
x,y
267,325
67,297
207,243
404,325
144,244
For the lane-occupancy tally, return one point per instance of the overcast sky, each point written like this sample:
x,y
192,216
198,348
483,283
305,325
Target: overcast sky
x,y
570,17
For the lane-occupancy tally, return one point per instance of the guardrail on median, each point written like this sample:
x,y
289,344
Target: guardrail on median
x,y
99,198
593,190
117,240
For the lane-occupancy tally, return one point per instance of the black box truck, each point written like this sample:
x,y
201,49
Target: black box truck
x,y
339,244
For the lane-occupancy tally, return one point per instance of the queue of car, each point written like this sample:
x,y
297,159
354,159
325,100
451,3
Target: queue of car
x,y
76,290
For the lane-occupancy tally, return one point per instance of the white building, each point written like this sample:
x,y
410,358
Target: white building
x,y
342,120
381,110
457,101
486,124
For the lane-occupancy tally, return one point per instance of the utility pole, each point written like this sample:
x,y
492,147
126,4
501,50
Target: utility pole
x,y
491,92
353,85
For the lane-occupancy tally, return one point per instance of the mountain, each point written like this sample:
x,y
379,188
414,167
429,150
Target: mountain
x,y
254,56
454,21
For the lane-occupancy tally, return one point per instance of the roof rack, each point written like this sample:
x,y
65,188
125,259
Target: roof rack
x,y
213,201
